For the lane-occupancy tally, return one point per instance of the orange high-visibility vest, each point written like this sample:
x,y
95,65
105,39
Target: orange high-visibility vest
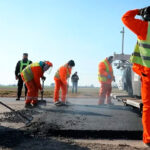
x,y
57,75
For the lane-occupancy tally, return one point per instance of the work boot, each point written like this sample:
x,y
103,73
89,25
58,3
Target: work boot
x,y
42,102
58,103
28,105
147,144
64,104
101,103
101,100
17,99
110,103
35,105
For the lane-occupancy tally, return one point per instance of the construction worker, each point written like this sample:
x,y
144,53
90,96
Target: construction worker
x,y
61,82
141,60
21,64
31,76
105,77
74,79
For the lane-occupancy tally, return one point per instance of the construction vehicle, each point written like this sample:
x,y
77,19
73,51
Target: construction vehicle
x,y
129,80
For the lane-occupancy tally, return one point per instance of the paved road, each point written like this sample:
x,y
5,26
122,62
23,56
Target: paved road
x,y
85,114
81,114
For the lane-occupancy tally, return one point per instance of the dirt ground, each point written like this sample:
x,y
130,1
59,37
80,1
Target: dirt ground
x,y
14,135
48,92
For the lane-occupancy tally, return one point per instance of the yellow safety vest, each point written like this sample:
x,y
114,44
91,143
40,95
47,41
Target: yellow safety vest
x,y
141,54
102,77
23,64
27,72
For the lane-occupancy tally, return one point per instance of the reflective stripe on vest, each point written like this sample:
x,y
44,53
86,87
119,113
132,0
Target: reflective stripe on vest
x,y
23,64
102,77
141,54
57,73
27,72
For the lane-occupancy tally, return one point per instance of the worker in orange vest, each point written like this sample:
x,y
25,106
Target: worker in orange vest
x,y
61,82
31,76
141,60
105,77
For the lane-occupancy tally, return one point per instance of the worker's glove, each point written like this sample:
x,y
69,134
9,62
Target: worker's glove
x,y
144,75
109,76
141,11
144,11
44,78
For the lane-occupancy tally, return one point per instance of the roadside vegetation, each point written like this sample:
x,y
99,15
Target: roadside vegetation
x,y
11,91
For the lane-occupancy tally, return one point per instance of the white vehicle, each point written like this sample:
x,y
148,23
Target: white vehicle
x,y
128,81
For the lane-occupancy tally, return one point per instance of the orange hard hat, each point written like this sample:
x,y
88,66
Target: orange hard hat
x,y
48,63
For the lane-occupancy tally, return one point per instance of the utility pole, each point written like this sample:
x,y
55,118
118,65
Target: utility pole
x,y
122,57
122,39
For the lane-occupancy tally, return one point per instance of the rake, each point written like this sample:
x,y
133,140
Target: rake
x,y
26,120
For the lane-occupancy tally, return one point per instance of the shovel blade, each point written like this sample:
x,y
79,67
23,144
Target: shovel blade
x,y
28,123
42,102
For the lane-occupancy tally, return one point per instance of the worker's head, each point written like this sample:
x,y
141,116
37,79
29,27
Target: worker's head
x,y
110,59
71,63
146,13
25,55
75,73
47,65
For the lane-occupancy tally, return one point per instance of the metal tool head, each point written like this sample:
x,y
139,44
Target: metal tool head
x,y
28,123
30,118
42,102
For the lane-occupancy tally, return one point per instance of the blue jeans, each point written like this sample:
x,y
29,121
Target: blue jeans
x,y
74,87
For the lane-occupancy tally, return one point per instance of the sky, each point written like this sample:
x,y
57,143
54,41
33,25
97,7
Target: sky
x,y
86,31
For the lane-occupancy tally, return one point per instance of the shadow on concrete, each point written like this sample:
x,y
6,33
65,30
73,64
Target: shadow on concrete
x,y
106,106
19,140
95,134
10,137
76,112
111,107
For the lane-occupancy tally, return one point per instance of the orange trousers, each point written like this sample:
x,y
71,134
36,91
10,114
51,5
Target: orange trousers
x,y
59,84
145,90
32,94
104,93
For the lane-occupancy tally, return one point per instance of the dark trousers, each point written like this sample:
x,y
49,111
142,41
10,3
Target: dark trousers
x,y
20,86
74,87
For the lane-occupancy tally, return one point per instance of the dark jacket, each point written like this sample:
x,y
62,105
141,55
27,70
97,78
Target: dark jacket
x,y
17,69
74,78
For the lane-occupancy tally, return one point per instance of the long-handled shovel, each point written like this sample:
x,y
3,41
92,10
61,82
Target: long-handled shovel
x,y
24,118
67,93
42,102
